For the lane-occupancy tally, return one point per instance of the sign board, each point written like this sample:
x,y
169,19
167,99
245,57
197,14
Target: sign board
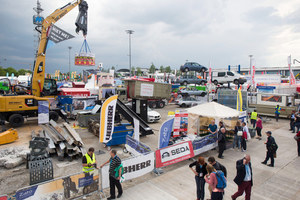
x,y
204,144
147,89
133,168
43,112
180,122
165,133
135,147
262,79
58,35
174,154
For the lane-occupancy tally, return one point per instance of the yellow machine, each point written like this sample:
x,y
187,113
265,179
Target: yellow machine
x,y
8,136
13,107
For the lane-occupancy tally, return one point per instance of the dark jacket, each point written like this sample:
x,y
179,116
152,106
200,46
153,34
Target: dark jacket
x,y
241,172
199,169
221,137
270,141
219,166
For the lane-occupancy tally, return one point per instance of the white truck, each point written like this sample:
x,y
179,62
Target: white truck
x,y
221,77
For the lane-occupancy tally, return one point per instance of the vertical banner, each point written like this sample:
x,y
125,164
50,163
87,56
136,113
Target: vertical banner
x,y
292,77
136,123
180,122
165,133
209,74
107,119
43,111
253,76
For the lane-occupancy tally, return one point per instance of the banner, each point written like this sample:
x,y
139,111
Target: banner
x,y
136,147
292,77
210,78
180,122
43,112
205,143
165,133
136,123
57,35
174,154
3,197
68,187
133,168
107,119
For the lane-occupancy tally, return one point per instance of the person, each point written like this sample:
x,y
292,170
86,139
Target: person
x,y
277,112
199,171
244,178
89,161
292,121
297,138
253,118
114,165
213,128
244,137
297,121
221,125
212,180
238,132
271,149
221,142
258,127
218,166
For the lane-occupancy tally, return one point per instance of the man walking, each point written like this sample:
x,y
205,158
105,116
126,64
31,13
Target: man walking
x,y
277,112
221,142
253,118
271,149
244,178
89,161
114,166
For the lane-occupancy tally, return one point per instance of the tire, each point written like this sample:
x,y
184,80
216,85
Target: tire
x,y
53,115
202,69
16,120
153,105
183,105
215,82
236,81
161,104
203,94
185,83
186,69
202,83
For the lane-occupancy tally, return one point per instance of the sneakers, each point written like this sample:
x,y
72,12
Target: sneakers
x,y
270,165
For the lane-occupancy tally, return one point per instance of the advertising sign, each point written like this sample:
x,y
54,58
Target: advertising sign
x,y
69,187
174,154
147,90
205,143
135,147
133,168
107,118
58,35
180,122
165,133
43,112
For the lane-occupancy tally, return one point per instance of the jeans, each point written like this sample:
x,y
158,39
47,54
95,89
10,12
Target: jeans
x,y
113,182
237,141
217,196
297,125
270,155
277,116
200,183
253,122
258,130
244,144
292,126
244,187
222,147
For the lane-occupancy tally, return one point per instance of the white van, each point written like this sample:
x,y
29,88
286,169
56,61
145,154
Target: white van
x,y
221,77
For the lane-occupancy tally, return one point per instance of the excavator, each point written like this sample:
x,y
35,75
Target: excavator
x,y
14,107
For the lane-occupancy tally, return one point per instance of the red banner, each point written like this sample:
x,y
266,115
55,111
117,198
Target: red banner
x,y
174,154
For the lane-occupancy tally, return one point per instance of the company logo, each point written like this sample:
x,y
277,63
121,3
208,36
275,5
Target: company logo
x,y
137,167
180,150
109,121
166,154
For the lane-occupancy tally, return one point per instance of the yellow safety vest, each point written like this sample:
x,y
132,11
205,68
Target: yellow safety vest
x,y
254,115
89,161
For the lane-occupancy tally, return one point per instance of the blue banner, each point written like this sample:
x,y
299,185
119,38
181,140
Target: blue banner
x,y
206,140
165,133
137,146
85,181
24,194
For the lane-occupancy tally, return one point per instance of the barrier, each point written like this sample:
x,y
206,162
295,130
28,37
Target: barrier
x,y
135,147
204,144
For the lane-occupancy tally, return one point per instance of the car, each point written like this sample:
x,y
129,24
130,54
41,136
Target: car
x,y
191,91
192,66
189,79
187,102
221,77
153,116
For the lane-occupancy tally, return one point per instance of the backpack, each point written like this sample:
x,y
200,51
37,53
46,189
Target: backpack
x,y
222,182
273,147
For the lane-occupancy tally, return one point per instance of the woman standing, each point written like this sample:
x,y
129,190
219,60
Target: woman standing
x,y
199,171
211,179
238,132
259,127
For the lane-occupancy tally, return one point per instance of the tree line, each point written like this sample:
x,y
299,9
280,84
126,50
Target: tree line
x,y
11,70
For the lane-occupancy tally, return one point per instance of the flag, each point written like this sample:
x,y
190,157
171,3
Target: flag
x,y
107,119
292,77
165,133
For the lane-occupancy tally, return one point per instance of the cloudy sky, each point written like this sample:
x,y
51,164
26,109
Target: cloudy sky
x,y
167,32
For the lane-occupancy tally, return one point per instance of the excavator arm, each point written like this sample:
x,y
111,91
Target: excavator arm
x,y
38,77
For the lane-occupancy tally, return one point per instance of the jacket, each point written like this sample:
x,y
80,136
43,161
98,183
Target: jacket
x,y
221,137
241,172
199,169
219,166
270,141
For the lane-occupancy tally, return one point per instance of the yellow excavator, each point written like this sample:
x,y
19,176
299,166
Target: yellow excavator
x,y
14,107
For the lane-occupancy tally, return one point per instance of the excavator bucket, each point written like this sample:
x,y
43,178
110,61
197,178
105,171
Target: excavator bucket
x,y
81,21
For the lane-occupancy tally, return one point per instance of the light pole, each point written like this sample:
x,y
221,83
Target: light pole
x,y
250,56
70,63
130,32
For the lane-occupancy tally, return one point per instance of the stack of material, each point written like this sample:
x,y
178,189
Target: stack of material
x,y
94,126
64,140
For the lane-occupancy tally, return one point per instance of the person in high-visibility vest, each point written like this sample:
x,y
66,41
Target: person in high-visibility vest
x,y
277,112
89,161
253,118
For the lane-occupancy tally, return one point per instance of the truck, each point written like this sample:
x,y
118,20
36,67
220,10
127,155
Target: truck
x,y
265,104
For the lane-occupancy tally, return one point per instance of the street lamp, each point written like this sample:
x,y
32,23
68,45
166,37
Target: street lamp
x,y
129,33
70,63
250,56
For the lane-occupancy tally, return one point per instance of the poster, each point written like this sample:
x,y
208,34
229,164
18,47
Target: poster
x,y
180,123
147,90
203,144
43,112
174,154
68,187
133,168
84,103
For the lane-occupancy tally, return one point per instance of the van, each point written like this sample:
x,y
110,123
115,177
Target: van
x,y
221,77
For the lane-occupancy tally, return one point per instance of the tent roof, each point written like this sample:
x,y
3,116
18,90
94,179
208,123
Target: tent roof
x,y
213,109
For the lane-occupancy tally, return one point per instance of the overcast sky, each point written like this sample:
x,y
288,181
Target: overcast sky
x,y
167,32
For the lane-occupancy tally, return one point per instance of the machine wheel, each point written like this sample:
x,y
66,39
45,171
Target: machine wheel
x,y
153,105
53,115
185,83
161,104
215,82
236,81
16,120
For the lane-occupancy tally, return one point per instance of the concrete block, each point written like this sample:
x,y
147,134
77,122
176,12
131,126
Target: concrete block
x,y
14,162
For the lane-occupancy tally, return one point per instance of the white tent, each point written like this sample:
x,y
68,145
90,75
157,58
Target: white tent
x,y
213,109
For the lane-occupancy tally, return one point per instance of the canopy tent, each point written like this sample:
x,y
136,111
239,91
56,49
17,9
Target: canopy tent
x,y
202,115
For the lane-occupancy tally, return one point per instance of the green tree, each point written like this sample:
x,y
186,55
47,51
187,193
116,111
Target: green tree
x,y
2,71
11,70
113,68
168,69
138,71
133,71
162,69
152,68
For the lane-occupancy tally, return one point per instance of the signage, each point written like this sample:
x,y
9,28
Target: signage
x,y
136,147
174,154
147,90
165,133
43,112
58,35
180,122
204,144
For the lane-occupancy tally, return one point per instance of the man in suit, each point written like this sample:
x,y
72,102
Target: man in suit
x,y
270,149
244,178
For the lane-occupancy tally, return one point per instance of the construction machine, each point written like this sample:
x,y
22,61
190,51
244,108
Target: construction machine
x,y
7,136
15,107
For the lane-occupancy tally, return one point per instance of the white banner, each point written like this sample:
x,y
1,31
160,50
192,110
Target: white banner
x,y
107,119
43,111
147,90
133,168
136,123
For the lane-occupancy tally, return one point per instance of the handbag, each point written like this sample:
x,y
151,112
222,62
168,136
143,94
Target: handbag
x,y
240,133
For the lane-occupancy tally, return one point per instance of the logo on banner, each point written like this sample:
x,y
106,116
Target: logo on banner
x,y
58,35
107,117
165,133
24,194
